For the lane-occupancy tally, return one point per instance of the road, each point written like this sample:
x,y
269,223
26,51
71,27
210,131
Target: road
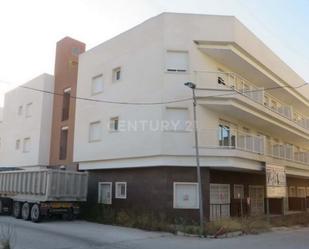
x,y
85,235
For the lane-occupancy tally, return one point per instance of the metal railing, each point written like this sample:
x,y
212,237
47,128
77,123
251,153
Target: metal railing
x,y
260,144
233,81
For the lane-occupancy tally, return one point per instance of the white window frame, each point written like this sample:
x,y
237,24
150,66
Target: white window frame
x,y
117,196
92,84
28,111
99,192
89,132
112,124
115,71
24,148
174,195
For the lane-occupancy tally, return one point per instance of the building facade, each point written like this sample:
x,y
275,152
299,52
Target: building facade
x,y
252,116
26,124
63,113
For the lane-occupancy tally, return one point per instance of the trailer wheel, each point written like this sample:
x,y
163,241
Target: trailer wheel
x,y
17,209
35,213
25,211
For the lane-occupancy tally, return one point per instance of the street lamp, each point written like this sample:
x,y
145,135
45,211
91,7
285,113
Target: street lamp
x,y
197,155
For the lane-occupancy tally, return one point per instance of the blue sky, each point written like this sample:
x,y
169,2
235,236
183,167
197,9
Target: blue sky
x,y
30,29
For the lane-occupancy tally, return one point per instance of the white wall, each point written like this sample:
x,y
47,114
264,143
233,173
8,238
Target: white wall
x,y
37,127
141,53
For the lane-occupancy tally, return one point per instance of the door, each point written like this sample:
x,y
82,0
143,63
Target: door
x,y
105,193
256,194
219,201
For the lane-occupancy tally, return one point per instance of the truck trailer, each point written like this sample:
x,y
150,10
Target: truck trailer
x,y
34,194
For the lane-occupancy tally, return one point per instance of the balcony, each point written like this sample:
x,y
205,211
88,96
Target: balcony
x,y
258,144
233,86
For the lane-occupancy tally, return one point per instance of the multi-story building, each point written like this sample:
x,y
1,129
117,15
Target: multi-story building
x,y
252,115
25,129
66,66
37,126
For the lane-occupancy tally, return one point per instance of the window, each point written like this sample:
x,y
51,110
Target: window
x,y
28,110
176,61
121,190
226,138
26,145
105,193
97,84
114,124
219,201
63,143
177,119
117,74
238,191
17,145
66,104
95,131
186,195
20,110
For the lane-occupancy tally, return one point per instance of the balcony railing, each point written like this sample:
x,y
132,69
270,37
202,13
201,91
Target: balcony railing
x,y
233,81
259,144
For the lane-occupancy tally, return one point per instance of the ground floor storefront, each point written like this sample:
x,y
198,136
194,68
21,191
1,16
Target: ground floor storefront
x,y
173,191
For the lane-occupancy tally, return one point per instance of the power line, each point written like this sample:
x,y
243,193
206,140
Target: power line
x,y
164,102
109,101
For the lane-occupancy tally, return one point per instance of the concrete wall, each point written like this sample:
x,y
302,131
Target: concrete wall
x,y
36,127
141,54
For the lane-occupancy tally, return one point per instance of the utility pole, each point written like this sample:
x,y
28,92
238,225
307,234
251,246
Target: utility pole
x,y
197,155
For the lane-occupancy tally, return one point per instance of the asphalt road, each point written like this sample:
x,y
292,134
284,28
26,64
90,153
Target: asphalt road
x,y
85,235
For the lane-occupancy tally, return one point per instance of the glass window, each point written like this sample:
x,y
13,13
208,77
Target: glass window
x,y
26,145
117,74
29,110
238,191
121,190
225,138
114,124
97,84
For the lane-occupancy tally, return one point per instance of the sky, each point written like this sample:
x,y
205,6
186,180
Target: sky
x,y
30,29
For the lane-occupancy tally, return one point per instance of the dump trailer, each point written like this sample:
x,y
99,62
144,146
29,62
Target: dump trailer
x,y
34,194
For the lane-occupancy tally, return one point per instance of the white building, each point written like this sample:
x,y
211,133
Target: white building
x,y
26,124
250,115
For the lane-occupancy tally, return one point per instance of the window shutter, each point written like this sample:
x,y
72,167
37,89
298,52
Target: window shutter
x,y
177,61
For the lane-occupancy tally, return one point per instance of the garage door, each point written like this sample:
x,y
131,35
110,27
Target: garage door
x,y
219,201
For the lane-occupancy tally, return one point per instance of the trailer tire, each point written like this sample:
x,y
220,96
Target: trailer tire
x,y
17,209
35,213
25,211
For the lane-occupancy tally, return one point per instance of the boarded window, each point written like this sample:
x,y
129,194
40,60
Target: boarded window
x,y
186,195
176,61
105,192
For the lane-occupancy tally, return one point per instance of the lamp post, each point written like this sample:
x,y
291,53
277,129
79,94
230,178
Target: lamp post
x,y
197,156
